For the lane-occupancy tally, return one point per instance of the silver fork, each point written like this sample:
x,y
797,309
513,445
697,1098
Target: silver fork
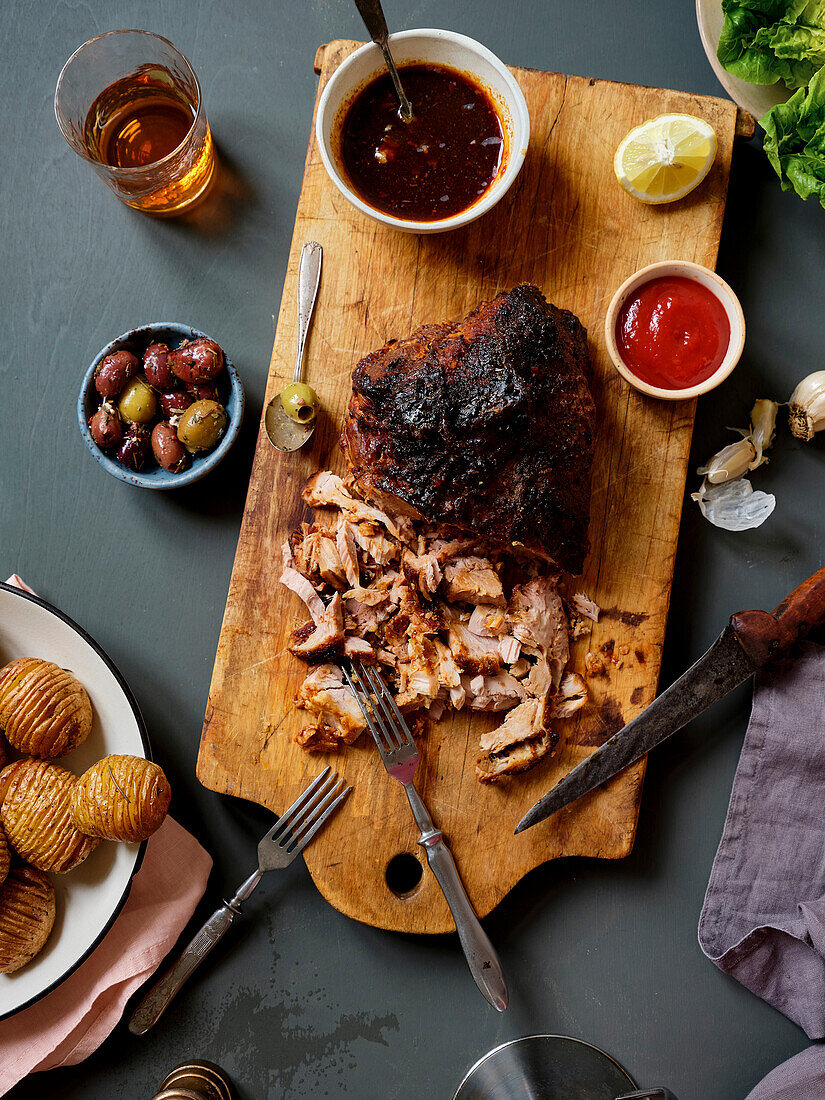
x,y
287,838
400,756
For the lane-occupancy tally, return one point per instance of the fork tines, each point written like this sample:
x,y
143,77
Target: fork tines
x,y
297,826
385,721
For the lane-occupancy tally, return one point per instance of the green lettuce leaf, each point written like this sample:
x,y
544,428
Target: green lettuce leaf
x,y
763,41
795,140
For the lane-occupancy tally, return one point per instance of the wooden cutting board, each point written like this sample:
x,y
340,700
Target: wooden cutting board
x,y
566,226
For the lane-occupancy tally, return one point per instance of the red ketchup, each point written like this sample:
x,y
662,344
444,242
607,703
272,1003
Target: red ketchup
x,y
673,333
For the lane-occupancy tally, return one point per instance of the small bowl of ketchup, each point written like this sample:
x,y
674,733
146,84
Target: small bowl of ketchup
x,y
457,157
674,330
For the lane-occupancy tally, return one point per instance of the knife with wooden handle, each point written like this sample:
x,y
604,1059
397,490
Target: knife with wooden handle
x,y
751,640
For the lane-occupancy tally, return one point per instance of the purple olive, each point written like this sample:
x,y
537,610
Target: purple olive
x,y
135,448
175,403
200,360
203,391
157,366
106,427
168,449
113,372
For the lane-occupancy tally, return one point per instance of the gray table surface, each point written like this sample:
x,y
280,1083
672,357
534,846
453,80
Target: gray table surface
x,y
302,1001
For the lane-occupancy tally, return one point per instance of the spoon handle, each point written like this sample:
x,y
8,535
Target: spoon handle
x,y
309,276
373,15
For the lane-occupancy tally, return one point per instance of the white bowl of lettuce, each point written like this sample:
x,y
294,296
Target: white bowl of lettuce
x,y
769,56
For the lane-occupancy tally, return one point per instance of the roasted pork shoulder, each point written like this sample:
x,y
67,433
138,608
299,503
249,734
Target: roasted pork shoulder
x,y
486,425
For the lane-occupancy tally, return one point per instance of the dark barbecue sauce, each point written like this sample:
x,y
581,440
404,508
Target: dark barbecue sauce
x,y
433,167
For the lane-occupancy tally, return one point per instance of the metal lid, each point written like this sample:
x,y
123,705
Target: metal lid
x,y
201,1080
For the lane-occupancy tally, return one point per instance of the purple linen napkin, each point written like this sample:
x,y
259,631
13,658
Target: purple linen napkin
x,y
800,1078
763,920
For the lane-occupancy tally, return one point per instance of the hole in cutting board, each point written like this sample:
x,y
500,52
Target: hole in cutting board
x,y
403,874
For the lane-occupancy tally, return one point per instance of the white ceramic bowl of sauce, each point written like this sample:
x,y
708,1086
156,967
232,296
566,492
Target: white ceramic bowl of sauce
x,y
435,47
679,269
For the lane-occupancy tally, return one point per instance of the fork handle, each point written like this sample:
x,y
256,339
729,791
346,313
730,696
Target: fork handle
x,y
479,952
157,1000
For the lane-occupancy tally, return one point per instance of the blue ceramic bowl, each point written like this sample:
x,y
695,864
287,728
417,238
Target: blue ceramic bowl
x,y
229,389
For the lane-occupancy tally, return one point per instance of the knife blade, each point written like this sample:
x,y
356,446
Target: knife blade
x,y
751,640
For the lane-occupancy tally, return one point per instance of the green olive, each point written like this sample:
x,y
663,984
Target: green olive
x,y
300,402
202,425
137,403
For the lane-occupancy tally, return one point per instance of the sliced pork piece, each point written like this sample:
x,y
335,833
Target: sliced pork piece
x,y
509,648
327,638
358,648
571,697
316,557
473,580
449,674
473,653
363,617
332,705
375,545
498,692
488,621
494,766
298,584
586,607
345,544
536,617
327,490
423,571
529,719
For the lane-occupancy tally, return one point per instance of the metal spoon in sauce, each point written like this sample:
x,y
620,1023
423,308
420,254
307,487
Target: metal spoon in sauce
x,y
289,430
373,15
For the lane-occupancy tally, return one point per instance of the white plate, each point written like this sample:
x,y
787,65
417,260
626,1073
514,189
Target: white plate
x,y
89,898
754,98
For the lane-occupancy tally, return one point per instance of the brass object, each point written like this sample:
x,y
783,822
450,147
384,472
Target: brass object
x,y
195,1081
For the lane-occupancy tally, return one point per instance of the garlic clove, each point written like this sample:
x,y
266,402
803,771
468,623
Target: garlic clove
x,y
729,463
763,428
806,415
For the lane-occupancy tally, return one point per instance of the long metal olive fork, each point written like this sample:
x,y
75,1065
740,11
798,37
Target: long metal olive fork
x,y
287,838
398,751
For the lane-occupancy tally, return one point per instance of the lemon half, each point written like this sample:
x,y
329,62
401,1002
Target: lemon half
x,y
665,158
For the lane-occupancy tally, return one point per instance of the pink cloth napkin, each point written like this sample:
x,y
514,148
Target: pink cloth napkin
x,y
70,1023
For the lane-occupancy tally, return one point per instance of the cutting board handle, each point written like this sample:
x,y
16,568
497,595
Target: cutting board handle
x,y
765,636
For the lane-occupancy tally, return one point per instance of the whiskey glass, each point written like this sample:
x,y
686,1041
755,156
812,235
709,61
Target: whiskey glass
x,y
130,104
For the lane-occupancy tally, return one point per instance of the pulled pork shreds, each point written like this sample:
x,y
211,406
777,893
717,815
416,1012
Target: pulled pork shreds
x,y
451,621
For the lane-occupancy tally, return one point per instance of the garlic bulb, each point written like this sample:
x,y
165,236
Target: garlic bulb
x,y
807,406
729,463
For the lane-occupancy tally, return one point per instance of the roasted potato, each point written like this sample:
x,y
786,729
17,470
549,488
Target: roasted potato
x,y
26,917
121,798
5,857
36,816
44,710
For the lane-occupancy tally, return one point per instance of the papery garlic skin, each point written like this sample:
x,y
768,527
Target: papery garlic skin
x,y
730,463
806,415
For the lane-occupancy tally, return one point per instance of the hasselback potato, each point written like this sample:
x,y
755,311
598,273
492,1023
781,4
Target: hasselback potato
x,y
44,710
36,816
26,917
5,857
121,798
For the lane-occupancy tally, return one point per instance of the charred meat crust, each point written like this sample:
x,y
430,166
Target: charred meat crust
x,y
487,425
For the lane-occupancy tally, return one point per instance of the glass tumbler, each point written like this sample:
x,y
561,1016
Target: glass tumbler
x,y
130,104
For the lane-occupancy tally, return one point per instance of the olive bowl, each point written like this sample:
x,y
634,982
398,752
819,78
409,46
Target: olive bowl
x,y
136,340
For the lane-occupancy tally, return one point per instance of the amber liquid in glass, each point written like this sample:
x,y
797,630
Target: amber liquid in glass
x,y
142,119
